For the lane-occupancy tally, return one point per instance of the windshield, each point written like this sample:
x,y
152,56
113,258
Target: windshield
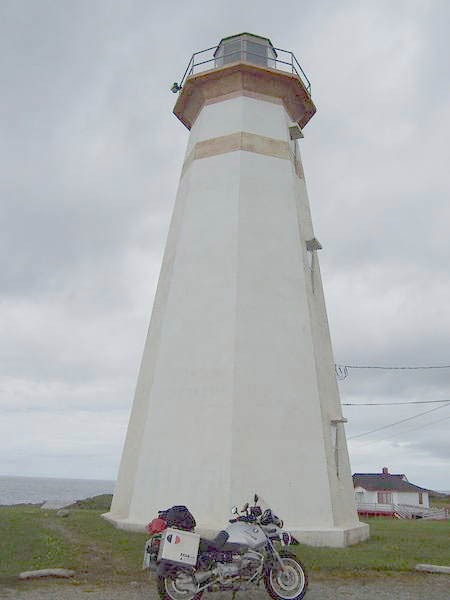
x,y
256,500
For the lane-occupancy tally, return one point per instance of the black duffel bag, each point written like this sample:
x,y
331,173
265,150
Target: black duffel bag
x,y
179,517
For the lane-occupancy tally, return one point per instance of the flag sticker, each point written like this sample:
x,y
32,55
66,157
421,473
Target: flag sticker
x,y
173,539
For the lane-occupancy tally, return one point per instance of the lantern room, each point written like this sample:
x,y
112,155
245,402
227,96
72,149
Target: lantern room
x,y
245,47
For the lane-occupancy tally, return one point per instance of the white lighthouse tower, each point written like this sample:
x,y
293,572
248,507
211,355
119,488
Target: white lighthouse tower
x,y
237,392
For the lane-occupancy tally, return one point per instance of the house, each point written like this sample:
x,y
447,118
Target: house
x,y
389,494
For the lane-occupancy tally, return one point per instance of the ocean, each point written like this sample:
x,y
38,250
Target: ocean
x,y
51,490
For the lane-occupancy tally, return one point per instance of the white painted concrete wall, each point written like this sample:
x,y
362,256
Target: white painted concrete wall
x,y
237,388
239,114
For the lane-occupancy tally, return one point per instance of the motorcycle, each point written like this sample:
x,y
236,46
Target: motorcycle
x,y
252,549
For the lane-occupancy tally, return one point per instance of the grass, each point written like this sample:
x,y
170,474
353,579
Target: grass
x,y
440,500
26,543
394,546
101,502
32,538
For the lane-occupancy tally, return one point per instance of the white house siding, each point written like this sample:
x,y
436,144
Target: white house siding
x,y
411,498
368,498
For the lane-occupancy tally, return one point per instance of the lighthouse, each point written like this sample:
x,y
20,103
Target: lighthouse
x,y
237,391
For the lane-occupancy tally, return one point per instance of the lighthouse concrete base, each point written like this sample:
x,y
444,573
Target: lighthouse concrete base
x,y
335,537
126,524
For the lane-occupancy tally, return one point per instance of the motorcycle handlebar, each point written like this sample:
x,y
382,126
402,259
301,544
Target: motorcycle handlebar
x,y
245,518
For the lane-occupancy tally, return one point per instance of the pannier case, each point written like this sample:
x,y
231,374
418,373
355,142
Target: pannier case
x,y
179,547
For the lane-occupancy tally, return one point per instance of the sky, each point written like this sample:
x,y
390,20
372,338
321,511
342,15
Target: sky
x,y
90,157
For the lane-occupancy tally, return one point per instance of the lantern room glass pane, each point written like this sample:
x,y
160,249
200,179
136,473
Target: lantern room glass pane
x,y
256,53
231,51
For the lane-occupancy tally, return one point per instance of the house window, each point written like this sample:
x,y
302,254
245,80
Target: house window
x,y
384,497
359,497
420,498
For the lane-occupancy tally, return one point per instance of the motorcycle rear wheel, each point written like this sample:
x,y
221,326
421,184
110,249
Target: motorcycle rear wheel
x,y
290,584
168,590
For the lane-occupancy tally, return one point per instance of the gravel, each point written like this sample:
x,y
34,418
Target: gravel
x,y
390,587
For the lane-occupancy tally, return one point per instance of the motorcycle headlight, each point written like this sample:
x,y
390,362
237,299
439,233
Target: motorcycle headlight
x,y
277,521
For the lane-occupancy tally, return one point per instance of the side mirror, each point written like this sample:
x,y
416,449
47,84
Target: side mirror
x,y
234,510
256,498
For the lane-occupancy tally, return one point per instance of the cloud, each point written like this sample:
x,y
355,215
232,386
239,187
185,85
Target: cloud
x,y
82,446
91,156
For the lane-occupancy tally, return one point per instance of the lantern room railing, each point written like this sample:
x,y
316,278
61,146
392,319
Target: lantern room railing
x,y
204,60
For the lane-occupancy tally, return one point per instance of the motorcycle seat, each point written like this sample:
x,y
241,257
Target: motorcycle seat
x,y
218,544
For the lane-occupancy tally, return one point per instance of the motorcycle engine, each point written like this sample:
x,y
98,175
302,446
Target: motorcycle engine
x,y
221,572
229,570
243,567
249,564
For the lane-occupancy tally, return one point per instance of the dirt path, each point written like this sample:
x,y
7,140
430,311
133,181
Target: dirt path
x,y
95,551
405,587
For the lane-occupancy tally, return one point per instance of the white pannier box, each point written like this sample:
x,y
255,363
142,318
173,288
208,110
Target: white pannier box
x,y
179,547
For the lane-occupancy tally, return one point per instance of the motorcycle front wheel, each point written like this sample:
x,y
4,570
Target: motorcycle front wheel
x,y
175,588
288,584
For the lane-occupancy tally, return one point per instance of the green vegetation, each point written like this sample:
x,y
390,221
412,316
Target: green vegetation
x,y
32,538
27,543
439,500
394,545
102,502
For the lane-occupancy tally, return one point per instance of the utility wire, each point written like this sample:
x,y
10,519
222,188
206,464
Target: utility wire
x,y
398,422
342,370
424,425
413,429
387,368
392,403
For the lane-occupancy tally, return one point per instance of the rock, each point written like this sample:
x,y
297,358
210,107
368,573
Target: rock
x,y
47,573
433,568
63,513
